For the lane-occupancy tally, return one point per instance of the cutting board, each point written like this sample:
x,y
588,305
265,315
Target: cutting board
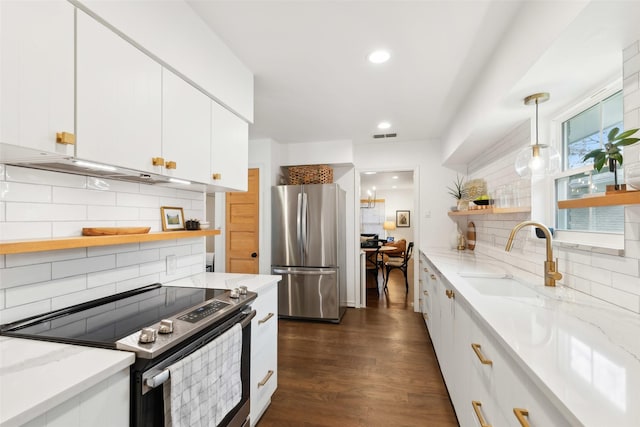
x,y
471,236
111,231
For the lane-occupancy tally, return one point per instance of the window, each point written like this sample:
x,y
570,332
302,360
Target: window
x,y
582,133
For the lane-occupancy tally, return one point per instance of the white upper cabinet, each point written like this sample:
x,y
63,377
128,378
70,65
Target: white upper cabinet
x,y
119,106
36,73
230,150
186,129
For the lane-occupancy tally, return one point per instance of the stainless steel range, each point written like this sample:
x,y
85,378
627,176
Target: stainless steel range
x,y
162,325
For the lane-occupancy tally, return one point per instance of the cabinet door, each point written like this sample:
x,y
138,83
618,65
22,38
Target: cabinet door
x,y
118,99
36,73
230,150
186,129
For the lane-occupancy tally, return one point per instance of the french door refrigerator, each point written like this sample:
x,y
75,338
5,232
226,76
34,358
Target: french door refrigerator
x,y
308,250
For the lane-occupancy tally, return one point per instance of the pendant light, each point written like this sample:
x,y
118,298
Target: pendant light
x,y
537,159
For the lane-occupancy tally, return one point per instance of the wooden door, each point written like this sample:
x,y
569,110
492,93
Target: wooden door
x,y
242,214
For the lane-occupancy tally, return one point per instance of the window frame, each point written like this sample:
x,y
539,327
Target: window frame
x,y
580,238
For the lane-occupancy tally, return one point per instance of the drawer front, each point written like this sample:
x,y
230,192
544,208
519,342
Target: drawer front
x,y
264,381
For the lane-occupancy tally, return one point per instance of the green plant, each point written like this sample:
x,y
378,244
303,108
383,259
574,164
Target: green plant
x,y
456,190
611,151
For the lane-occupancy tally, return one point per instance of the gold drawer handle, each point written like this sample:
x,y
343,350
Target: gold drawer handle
x,y
476,408
171,165
520,415
267,317
157,161
425,315
483,360
433,277
450,294
265,379
426,270
426,293
216,176
65,138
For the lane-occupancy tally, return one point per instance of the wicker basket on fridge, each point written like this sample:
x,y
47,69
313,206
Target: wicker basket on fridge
x,y
310,174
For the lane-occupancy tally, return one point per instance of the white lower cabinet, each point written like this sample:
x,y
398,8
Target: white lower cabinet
x,y
486,385
264,350
106,404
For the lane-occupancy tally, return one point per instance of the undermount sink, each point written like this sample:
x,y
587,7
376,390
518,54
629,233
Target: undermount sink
x,y
501,287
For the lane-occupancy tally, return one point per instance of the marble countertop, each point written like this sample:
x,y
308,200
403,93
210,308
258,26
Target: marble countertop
x,y
583,353
36,376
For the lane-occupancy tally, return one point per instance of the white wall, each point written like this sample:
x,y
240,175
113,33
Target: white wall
x,y
38,204
394,200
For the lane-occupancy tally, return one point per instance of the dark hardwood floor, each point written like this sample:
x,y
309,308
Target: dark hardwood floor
x,y
376,368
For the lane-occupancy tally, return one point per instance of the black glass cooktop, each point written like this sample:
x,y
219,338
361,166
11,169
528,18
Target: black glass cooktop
x,y
103,322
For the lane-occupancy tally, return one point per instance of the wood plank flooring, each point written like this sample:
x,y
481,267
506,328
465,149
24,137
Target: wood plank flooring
x,y
376,368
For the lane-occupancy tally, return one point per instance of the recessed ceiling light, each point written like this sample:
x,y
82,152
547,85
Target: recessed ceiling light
x,y
395,177
395,186
384,125
379,56
370,173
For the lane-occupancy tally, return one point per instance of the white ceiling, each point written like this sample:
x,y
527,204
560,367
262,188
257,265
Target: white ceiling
x,y
458,72
385,181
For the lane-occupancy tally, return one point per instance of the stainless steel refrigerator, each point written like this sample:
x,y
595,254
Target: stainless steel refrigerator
x,y
308,250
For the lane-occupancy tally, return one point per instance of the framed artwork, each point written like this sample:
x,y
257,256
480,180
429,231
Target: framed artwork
x,y
403,219
172,218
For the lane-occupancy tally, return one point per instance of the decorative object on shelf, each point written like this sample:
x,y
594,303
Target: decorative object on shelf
x,y
310,174
403,219
113,231
204,225
471,236
172,218
474,189
537,159
192,224
612,154
456,191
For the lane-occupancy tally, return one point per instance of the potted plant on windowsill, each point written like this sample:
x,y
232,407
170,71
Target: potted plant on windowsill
x,y
611,153
456,191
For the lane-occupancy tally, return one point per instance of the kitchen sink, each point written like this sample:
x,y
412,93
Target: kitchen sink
x,y
501,287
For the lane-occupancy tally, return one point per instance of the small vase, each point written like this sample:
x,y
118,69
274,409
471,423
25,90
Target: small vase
x,y
463,205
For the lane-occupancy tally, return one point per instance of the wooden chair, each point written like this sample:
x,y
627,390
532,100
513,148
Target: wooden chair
x,y
372,266
400,263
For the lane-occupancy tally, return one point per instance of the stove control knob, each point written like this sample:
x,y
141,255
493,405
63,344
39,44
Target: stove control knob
x,y
234,293
148,335
243,290
166,326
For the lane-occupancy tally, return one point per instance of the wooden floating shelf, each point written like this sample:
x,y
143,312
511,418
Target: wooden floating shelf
x,y
23,246
490,211
611,199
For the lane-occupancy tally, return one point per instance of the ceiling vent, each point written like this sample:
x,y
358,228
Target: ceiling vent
x,y
385,135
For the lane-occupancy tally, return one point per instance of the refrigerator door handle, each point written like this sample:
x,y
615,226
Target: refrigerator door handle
x,y
304,272
299,222
304,214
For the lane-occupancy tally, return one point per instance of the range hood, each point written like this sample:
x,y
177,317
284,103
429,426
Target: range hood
x,y
26,157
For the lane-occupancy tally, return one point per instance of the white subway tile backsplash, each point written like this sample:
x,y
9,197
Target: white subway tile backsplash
x,y
25,230
80,297
2,299
12,314
112,213
615,296
95,183
158,190
17,276
106,277
2,215
81,196
191,195
628,266
82,266
139,257
105,250
2,169
631,66
632,249
45,212
631,83
138,200
632,101
45,290
626,283
631,50
19,192
74,228
180,251
36,176
138,282
17,260
153,267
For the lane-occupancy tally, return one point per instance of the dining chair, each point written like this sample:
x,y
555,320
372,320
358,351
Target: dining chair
x,y
401,264
372,265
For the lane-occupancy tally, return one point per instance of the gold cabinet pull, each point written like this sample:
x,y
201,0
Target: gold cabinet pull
x,y
483,360
266,378
433,277
425,315
426,293
267,317
450,294
171,165
520,415
65,138
476,408
426,270
157,161
216,176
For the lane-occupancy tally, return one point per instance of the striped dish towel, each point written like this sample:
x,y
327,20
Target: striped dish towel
x,y
205,385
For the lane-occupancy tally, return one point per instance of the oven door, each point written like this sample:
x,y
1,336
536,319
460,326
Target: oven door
x,y
148,376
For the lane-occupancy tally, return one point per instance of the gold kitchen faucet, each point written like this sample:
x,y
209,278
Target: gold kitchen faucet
x,y
551,273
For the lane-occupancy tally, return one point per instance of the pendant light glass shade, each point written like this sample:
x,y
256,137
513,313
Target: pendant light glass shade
x,y
537,159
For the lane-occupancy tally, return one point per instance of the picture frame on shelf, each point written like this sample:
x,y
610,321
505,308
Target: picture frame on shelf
x,y
172,218
403,219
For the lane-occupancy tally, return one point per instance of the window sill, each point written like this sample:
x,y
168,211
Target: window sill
x,y
602,243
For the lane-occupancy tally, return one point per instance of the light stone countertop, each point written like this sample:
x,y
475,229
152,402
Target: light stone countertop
x,y
583,353
36,376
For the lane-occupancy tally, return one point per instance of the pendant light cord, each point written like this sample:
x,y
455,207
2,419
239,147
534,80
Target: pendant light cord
x,y
536,121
